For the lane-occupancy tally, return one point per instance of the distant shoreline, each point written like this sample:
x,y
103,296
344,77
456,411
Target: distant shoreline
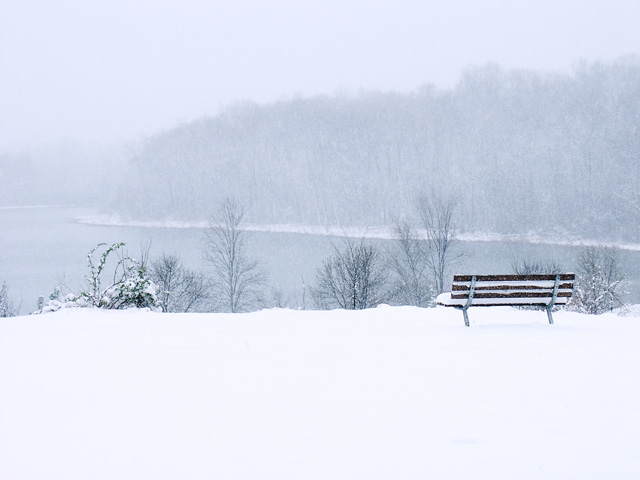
x,y
383,233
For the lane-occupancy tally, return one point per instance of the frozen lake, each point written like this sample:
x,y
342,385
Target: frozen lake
x,y
46,246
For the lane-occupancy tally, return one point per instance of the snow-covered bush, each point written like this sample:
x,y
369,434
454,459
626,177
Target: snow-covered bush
x,y
6,305
599,281
58,302
135,289
628,311
130,286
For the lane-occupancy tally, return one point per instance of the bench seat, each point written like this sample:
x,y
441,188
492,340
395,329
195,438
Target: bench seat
x,y
541,291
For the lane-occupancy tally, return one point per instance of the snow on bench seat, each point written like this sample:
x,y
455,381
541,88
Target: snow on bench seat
x,y
542,291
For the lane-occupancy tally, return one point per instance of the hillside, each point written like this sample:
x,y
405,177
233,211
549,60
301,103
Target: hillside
x,y
388,393
522,151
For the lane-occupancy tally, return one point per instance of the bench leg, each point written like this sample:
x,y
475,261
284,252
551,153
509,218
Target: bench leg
x,y
550,316
466,317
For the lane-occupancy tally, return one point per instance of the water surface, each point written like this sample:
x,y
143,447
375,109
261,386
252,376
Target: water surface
x,y
44,247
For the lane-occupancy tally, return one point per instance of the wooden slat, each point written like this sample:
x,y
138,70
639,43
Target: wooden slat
x,y
506,302
521,293
535,283
513,304
480,286
513,278
461,296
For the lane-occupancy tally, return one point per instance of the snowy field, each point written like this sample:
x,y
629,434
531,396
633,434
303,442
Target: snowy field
x,y
388,393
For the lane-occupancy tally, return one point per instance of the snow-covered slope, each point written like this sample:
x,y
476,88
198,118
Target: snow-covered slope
x,y
389,393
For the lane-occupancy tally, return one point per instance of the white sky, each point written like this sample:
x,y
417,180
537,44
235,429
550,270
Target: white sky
x,y
114,70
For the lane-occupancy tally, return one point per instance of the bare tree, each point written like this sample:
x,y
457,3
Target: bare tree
x,y
438,215
531,267
353,278
409,263
277,297
599,280
237,280
179,288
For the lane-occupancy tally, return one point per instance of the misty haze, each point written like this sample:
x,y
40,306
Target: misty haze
x,y
529,158
238,177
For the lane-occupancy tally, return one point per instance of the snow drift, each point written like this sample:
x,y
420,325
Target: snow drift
x,y
388,393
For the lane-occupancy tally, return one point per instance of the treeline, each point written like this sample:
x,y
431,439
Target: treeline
x,y
522,151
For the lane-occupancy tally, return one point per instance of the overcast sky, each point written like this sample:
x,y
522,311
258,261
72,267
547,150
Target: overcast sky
x,y
115,70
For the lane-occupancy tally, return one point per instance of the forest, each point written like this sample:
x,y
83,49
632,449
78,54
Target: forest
x,y
521,151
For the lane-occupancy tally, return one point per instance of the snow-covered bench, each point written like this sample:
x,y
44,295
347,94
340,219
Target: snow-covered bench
x,y
542,291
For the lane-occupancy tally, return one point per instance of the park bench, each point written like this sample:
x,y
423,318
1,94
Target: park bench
x,y
540,291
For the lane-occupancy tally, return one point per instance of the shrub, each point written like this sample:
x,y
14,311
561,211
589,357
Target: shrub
x,y
6,305
130,287
353,279
599,281
179,288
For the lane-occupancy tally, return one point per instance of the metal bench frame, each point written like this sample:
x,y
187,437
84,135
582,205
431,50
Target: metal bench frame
x,y
502,301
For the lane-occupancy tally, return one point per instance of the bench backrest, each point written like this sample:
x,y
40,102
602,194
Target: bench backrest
x,y
526,290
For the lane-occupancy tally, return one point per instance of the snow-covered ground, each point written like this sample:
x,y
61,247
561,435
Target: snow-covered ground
x,y
388,393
